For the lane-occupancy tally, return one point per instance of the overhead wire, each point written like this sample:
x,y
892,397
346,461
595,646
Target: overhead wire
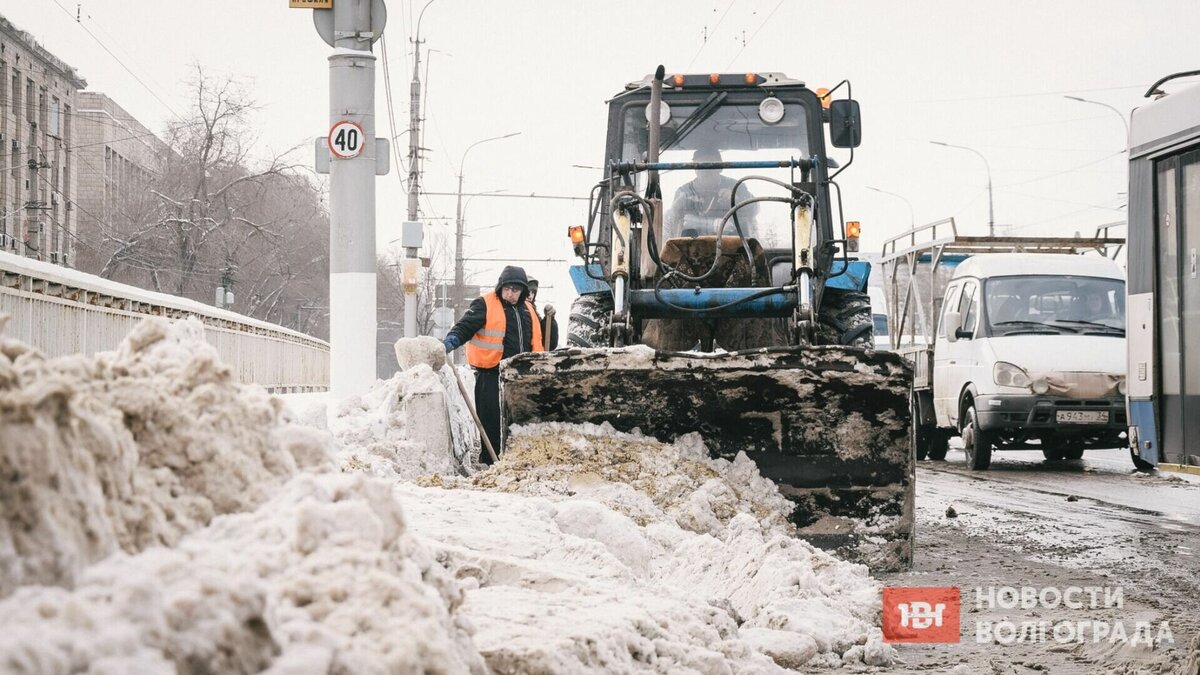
x,y
387,93
1064,171
755,33
710,34
119,61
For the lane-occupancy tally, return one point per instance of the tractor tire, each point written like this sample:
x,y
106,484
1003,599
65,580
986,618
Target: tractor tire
x,y
844,318
977,443
588,320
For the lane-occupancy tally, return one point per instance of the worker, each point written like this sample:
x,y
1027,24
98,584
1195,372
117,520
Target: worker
x,y
552,339
701,203
498,325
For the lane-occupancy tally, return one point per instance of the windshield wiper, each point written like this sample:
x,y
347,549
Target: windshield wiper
x,y
1033,323
1093,324
700,114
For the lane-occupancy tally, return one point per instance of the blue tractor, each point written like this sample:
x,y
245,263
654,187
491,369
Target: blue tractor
x,y
719,294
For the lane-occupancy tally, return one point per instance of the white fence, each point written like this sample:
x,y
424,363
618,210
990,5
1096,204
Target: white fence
x,y
63,311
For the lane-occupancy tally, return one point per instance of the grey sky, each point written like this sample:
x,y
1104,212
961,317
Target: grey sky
x,y
987,75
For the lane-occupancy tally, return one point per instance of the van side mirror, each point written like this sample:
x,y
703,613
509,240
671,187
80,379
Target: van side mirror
x,y
953,325
845,124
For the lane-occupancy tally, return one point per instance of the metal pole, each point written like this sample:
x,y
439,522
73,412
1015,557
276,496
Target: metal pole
x,y
988,167
1120,114
458,229
414,168
352,205
414,123
456,305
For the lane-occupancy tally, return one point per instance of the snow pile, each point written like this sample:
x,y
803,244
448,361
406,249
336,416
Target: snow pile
x,y
226,540
639,476
414,424
231,543
129,449
322,578
594,550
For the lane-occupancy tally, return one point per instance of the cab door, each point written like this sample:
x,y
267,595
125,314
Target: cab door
x,y
942,357
959,359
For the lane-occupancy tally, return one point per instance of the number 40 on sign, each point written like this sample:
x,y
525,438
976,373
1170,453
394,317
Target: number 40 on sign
x,y
346,140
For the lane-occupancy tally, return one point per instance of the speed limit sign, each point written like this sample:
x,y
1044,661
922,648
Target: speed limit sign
x,y
346,140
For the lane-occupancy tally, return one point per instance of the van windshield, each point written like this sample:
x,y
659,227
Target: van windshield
x,y
1055,304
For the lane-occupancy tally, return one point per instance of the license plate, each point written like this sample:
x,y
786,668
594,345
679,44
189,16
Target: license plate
x,y
1081,416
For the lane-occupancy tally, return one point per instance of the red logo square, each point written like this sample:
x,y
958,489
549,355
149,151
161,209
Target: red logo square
x,y
915,614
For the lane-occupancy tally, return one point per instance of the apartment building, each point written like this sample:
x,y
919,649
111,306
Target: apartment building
x,y
38,172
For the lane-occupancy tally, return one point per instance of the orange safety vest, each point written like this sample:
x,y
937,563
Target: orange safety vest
x,y
487,346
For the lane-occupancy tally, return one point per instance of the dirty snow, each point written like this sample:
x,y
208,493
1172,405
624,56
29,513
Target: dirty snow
x,y
322,578
131,449
668,559
168,519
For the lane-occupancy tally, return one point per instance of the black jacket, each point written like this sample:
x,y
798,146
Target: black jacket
x,y
518,334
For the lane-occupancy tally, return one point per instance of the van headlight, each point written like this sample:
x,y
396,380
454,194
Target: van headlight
x,y
1008,375
1121,387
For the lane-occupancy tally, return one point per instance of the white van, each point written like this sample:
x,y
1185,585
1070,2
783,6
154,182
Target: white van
x,y
1030,354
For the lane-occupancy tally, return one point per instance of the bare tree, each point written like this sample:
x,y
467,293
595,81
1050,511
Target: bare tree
x,y
217,216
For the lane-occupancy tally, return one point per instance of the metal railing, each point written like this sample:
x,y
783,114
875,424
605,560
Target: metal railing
x,y
62,311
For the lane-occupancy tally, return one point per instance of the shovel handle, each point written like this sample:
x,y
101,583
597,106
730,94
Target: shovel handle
x,y
547,326
462,389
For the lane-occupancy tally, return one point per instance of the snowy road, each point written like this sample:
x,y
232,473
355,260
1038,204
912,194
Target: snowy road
x,y
1030,523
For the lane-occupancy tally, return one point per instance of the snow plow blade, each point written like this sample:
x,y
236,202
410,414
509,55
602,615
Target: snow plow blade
x,y
830,425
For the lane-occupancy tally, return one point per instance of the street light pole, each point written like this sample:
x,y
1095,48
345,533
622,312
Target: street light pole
x,y
414,123
991,211
458,229
912,220
1118,112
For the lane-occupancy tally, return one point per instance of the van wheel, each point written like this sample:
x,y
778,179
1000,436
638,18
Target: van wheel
x,y
977,443
939,444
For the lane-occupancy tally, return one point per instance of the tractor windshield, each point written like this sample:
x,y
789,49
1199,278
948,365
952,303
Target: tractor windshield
x,y
696,201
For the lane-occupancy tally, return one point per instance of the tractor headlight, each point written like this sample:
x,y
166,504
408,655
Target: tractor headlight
x,y
664,113
1007,375
771,110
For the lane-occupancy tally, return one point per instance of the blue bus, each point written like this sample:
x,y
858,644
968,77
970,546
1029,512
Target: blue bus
x,y
1163,278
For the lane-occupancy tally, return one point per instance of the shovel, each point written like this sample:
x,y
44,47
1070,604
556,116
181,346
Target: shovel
x,y
462,389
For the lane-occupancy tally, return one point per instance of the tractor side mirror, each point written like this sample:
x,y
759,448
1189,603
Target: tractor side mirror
x,y
953,324
845,125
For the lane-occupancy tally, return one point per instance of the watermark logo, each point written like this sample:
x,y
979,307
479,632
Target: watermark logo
x,y
920,614
1098,603
1061,615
